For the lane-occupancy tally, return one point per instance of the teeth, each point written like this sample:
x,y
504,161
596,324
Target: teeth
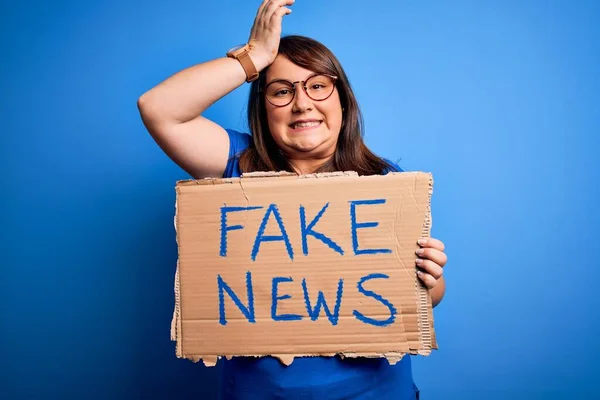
x,y
305,124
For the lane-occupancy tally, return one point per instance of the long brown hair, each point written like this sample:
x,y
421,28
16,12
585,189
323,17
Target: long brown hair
x,y
351,153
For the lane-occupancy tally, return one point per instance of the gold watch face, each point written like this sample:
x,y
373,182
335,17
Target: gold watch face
x,y
236,50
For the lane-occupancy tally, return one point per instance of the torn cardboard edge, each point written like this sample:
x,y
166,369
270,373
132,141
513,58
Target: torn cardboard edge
x,y
278,175
425,310
425,324
287,359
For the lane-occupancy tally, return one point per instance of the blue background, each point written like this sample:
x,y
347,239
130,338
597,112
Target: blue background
x,y
500,100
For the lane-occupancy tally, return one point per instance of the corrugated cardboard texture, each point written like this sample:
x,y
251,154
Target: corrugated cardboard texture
x,y
290,266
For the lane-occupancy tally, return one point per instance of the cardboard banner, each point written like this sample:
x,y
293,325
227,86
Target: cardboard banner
x,y
288,266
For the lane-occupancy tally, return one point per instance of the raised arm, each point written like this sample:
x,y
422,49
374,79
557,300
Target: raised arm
x,y
172,110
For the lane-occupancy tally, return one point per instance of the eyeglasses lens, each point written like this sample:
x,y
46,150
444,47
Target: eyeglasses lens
x,y
318,87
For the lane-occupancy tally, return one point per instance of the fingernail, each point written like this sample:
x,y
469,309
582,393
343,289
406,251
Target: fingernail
x,y
420,252
422,242
419,261
420,273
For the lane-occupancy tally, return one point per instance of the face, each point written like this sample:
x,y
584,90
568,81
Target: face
x,y
305,129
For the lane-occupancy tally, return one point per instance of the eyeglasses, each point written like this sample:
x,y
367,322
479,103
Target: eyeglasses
x,y
318,87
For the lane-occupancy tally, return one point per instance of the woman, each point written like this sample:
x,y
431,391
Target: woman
x,y
304,118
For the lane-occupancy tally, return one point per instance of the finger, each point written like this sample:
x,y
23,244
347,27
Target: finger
x,y
428,280
261,9
279,13
259,14
432,243
437,256
275,5
430,267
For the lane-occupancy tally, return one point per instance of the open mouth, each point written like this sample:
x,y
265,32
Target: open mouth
x,y
305,125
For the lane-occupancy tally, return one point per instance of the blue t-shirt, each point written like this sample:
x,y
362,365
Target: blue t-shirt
x,y
330,378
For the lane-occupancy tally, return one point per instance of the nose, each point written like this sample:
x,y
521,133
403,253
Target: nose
x,y
301,102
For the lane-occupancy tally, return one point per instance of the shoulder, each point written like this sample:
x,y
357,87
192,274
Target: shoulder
x,y
238,142
392,167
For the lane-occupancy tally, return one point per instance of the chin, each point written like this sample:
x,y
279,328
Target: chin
x,y
306,146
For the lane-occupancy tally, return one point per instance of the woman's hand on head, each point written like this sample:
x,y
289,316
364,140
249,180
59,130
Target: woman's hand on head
x,y
266,31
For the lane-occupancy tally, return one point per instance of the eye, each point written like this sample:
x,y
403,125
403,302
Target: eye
x,y
319,86
282,92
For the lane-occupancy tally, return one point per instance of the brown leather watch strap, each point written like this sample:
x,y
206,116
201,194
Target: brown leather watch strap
x,y
248,65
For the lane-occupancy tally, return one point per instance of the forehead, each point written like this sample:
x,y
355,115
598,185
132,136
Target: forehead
x,y
283,68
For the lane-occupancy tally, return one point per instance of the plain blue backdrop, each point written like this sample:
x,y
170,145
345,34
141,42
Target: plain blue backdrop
x,y
500,100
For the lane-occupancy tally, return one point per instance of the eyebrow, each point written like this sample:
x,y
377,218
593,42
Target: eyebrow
x,y
287,80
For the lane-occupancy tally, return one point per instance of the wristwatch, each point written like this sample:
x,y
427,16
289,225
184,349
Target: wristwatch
x,y
240,53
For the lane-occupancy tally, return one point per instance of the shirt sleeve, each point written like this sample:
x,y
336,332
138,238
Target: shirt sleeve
x,y
395,167
238,142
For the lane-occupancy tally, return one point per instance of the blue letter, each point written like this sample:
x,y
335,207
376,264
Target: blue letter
x,y
225,228
260,238
247,311
356,226
314,313
309,231
377,297
275,298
